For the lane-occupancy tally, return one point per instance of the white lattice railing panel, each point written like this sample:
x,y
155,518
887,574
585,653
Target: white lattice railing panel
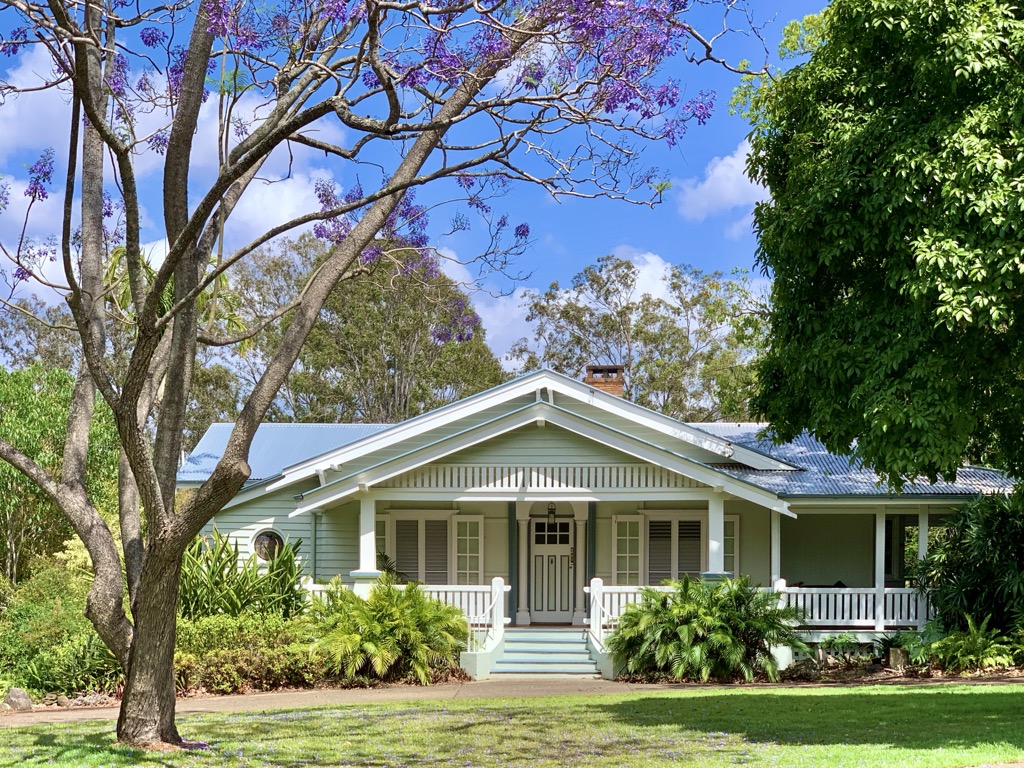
x,y
540,477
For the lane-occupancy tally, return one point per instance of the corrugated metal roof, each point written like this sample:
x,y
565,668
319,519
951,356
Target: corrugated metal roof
x,y
825,474
274,447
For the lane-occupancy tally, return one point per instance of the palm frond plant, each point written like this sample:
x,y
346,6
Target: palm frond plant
x,y
701,630
396,633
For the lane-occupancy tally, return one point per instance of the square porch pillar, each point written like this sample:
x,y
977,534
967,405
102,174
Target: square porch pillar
x,y
716,536
523,602
367,574
580,514
879,570
922,533
776,547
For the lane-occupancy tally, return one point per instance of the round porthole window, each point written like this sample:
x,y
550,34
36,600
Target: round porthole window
x,y
267,544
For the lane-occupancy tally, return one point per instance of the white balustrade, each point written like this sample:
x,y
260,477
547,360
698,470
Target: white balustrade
x,y
822,607
483,605
511,477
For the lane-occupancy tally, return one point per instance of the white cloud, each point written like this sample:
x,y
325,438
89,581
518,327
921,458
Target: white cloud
x,y
265,205
651,271
454,267
743,226
36,120
725,186
504,318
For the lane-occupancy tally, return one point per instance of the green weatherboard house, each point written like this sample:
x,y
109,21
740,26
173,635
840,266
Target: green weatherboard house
x,y
545,503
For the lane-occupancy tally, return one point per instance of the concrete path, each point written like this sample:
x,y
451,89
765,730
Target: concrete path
x,y
503,687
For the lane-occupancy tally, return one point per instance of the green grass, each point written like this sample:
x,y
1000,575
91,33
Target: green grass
x,y
881,726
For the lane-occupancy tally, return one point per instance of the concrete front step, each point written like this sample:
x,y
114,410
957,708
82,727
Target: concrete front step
x,y
561,668
516,654
539,651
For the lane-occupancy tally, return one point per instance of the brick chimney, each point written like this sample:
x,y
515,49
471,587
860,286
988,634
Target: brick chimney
x,y
607,378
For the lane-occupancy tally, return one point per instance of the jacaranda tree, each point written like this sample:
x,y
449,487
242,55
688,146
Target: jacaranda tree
x,y
396,95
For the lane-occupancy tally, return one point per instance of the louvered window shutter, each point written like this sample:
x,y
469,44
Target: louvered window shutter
x,y
689,548
435,551
659,551
407,548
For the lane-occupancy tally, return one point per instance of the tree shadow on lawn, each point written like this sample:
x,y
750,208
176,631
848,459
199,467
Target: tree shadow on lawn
x,y
958,717
60,745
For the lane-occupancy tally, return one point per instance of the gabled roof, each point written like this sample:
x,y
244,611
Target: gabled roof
x,y
826,474
273,447
539,412
543,380
285,454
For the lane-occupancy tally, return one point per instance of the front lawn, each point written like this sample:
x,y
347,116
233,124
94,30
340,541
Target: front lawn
x,y
878,726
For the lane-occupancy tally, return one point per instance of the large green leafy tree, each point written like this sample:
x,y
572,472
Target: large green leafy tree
x,y
393,340
686,352
33,401
894,157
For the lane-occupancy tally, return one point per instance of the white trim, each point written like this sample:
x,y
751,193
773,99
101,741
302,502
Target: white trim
x,y
523,387
641,534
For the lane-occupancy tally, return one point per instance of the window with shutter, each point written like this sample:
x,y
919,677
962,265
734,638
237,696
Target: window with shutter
x,y
435,551
659,551
688,536
407,549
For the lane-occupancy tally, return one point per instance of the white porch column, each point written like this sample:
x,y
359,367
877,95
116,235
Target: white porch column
x,y
579,614
922,553
879,570
922,533
523,603
776,547
716,535
367,574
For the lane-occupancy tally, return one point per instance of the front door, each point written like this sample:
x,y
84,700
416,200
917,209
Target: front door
x,y
552,571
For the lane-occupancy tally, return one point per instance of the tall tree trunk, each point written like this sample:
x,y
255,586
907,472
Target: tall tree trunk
x,y
147,709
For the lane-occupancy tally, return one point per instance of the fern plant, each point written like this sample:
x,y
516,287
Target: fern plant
x,y
976,647
395,633
703,630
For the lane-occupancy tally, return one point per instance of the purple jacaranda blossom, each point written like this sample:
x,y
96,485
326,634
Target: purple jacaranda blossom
x,y
152,37
221,15
21,274
40,174
13,41
335,10
158,142
5,195
522,231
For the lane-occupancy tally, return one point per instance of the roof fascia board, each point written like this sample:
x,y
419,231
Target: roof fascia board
x,y
411,428
560,417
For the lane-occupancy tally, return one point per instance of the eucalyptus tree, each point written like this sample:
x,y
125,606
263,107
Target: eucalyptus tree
x,y
396,340
398,96
894,158
687,351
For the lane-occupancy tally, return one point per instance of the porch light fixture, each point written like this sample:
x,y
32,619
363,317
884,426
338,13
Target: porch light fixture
x,y
551,512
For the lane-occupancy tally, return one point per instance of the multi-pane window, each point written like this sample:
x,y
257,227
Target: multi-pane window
x,y
436,550
627,550
731,544
468,557
651,549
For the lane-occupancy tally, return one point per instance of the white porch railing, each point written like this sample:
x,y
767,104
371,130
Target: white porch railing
x,y
823,608
483,604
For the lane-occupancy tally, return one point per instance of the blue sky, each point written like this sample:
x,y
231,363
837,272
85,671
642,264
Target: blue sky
x,y
704,219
